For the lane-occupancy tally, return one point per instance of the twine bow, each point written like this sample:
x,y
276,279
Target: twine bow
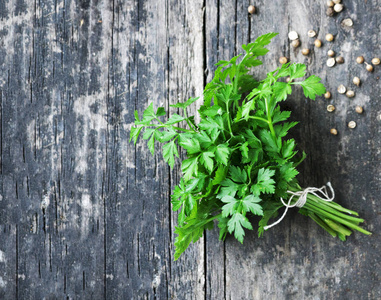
x,y
321,193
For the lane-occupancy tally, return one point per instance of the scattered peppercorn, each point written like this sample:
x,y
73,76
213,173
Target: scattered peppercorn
x,y
251,9
330,3
288,79
359,109
336,1
293,35
338,7
283,60
311,33
330,12
376,61
340,60
369,67
356,81
295,43
330,108
331,53
329,37
341,89
350,94
360,59
327,95
331,62
347,22
333,131
317,43
352,124
305,51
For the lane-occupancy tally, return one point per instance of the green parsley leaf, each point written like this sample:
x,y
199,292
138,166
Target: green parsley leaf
x,y
312,87
222,154
236,225
169,151
250,203
265,184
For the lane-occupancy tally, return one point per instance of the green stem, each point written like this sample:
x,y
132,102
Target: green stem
x,y
321,212
174,127
333,211
337,227
189,123
321,223
269,120
227,111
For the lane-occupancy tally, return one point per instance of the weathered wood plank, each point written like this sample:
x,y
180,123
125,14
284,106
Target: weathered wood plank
x,y
186,79
85,214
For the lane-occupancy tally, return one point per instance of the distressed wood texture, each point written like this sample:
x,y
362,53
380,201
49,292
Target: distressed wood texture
x,y
86,215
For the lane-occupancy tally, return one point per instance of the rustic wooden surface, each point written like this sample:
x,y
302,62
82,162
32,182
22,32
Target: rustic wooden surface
x,y
86,215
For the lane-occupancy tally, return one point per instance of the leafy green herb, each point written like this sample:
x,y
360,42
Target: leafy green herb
x,y
238,159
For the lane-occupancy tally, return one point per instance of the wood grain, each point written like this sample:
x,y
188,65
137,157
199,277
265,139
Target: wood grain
x,y
86,215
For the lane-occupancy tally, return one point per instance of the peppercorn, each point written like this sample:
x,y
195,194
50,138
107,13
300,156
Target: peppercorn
x,y
350,94
341,89
311,33
352,124
330,12
329,37
347,22
330,108
295,43
338,7
305,51
330,3
331,53
283,60
288,79
360,59
340,60
317,43
333,131
251,9
359,109
293,35
331,62
327,95
356,81
369,67
376,61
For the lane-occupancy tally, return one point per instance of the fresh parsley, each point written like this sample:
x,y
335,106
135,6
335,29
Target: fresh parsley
x,y
239,162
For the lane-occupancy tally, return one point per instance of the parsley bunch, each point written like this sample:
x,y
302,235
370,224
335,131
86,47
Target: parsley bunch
x,y
239,161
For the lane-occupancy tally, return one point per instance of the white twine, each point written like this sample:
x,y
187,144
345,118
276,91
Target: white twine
x,y
303,198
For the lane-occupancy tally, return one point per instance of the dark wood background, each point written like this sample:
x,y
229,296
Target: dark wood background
x,y
86,215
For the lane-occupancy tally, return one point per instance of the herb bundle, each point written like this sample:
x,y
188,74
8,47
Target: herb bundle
x,y
239,161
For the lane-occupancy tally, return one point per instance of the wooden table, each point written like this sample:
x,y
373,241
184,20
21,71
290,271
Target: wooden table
x,y
86,215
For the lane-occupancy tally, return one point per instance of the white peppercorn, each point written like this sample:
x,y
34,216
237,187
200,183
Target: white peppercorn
x,y
338,7
330,108
341,89
331,62
356,81
350,94
352,124
376,61
359,109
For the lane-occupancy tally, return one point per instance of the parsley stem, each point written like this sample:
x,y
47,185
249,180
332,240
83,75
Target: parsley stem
x,y
269,120
259,118
227,110
187,119
170,126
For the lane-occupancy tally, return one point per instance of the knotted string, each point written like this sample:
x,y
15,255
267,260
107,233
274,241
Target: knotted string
x,y
303,198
